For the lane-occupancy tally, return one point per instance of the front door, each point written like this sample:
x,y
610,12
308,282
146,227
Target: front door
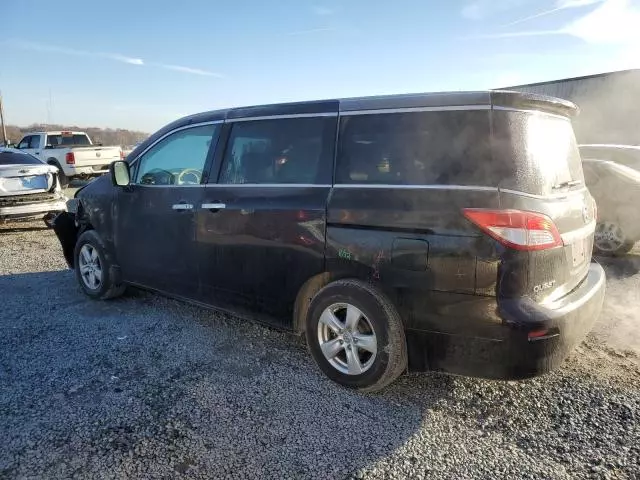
x,y
155,214
261,228
30,144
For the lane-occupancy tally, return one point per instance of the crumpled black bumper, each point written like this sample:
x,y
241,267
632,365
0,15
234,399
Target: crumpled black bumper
x,y
64,225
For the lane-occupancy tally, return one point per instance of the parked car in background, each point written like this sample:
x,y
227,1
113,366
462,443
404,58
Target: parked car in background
x,y
628,155
29,188
449,232
72,153
616,188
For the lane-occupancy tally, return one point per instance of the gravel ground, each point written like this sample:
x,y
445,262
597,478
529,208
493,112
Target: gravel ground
x,y
148,387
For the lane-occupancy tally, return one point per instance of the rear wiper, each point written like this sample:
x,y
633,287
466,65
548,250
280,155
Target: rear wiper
x,y
568,183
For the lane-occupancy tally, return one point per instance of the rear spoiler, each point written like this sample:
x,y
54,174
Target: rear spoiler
x,y
533,101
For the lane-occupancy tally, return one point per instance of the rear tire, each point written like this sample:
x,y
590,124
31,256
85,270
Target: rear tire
x,y
366,348
93,268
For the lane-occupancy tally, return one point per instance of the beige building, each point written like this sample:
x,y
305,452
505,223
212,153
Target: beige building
x,y
609,105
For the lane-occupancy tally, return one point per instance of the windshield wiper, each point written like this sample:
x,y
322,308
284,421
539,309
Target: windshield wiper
x,y
568,183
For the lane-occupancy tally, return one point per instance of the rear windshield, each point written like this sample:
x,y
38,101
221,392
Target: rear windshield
x,y
18,158
68,140
538,152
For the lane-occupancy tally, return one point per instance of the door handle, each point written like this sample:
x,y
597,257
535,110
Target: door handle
x,y
182,206
213,206
37,153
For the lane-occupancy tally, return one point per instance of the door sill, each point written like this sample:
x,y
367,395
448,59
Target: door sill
x,y
260,318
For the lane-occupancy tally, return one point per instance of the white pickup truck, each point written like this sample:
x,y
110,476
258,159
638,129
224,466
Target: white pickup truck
x,y
73,153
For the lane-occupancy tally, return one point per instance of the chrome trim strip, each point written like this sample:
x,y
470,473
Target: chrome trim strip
x,y
420,187
167,186
579,234
276,117
415,109
213,206
543,197
185,127
274,185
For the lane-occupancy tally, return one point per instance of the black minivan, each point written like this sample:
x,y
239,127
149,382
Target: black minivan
x,y
448,232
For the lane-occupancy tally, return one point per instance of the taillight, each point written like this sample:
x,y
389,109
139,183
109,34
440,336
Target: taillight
x,y
121,154
70,158
517,229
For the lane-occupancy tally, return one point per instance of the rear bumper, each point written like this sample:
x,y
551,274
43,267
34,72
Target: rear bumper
x,y
537,337
73,171
33,210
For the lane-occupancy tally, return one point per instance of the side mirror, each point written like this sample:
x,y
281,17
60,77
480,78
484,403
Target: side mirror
x,y
120,173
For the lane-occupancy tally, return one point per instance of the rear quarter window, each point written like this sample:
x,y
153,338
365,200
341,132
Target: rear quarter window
x,y
416,148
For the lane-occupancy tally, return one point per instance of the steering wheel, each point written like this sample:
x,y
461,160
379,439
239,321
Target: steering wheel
x,y
157,176
195,175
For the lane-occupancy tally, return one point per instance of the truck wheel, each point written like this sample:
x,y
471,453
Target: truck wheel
x,y
610,239
92,267
356,335
62,178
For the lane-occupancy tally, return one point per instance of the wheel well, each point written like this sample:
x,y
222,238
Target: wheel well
x,y
304,297
314,284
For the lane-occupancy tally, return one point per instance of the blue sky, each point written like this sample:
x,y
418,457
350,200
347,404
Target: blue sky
x,y
140,63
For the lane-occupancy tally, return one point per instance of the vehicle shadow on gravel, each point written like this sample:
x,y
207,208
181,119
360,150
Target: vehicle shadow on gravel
x,y
148,386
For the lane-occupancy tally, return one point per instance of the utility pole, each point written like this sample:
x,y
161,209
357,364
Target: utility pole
x,y
2,127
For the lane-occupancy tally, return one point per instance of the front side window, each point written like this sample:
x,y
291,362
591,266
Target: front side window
x,y
178,159
292,150
415,148
24,143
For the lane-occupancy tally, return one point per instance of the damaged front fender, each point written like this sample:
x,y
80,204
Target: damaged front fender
x,y
67,232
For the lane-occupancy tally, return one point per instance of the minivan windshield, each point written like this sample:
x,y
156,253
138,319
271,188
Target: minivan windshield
x,y
543,150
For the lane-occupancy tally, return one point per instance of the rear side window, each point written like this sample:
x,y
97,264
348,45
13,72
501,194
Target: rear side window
x,y
289,151
540,148
416,148
24,143
68,140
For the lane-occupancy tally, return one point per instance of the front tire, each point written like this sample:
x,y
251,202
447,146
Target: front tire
x,y
356,336
93,268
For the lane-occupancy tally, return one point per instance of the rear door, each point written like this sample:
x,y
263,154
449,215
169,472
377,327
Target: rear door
x,y
261,227
155,230
540,155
